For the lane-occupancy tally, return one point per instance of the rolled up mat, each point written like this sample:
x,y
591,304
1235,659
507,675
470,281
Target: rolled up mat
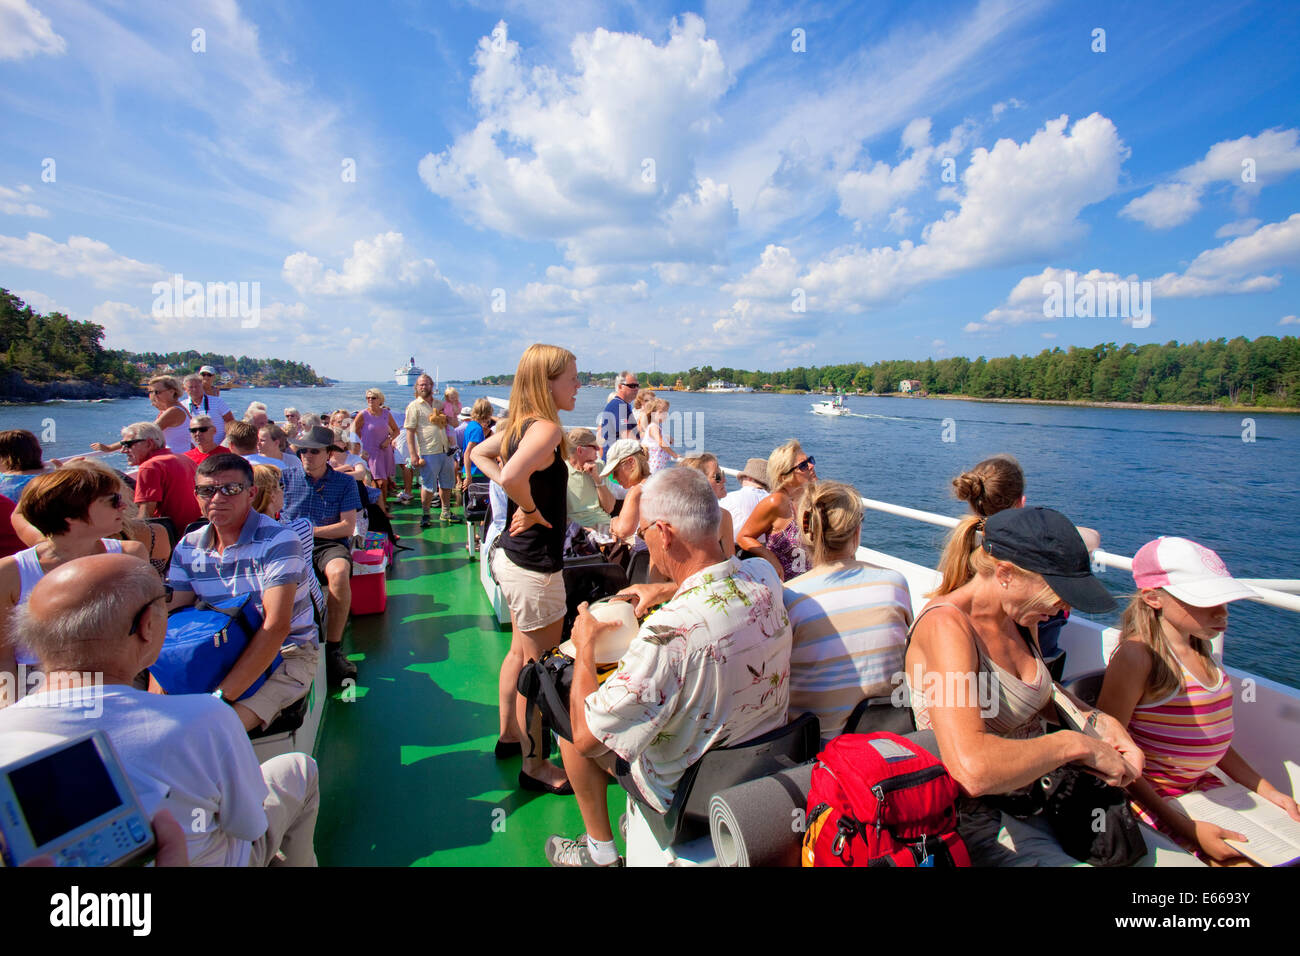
x,y
755,823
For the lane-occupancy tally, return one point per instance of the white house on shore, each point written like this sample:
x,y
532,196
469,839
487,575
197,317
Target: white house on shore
x,y
909,385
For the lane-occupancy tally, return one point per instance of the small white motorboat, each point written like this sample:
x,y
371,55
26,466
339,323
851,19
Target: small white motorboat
x,y
831,406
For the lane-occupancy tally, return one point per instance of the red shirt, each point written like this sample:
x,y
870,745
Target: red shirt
x,y
168,479
10,543
197,456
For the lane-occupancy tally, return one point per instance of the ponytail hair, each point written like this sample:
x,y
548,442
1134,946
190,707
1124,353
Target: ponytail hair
x,y
994,485
1141,622
829,515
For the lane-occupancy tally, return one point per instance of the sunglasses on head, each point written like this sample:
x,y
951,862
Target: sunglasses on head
x,y
228,490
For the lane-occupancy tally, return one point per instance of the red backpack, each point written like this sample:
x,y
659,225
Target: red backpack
x,y
880,800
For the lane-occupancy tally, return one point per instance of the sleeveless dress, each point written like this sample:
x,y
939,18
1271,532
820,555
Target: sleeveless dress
x,y
658,458
789,550
177,438
29,572
374,429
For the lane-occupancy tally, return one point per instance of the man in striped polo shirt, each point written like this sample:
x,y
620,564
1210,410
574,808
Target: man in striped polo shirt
x,y
241,551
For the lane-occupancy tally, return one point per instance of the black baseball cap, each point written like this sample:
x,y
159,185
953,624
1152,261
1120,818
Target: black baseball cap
x,y
1046,542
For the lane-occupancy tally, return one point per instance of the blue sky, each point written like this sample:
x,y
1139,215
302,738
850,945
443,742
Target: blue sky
x,y
456,180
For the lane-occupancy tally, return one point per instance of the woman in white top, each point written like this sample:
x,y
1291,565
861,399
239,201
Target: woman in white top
x,y
165,395
77,508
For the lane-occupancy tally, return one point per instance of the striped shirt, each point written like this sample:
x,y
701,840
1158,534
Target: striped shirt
x,y
1184,735
850,626
266,555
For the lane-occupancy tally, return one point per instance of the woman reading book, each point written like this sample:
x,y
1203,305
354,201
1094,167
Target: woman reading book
x,y
1176,702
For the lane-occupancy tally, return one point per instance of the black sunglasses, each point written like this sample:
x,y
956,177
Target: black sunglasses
x,y
804,465
135,621
196,431
128,442
229,490
631,384
114,500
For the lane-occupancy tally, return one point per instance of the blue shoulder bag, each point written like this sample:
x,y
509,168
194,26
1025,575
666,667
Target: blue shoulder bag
x,y
203,643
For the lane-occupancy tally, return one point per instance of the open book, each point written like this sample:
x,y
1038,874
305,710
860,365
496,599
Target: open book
x,y
1273,837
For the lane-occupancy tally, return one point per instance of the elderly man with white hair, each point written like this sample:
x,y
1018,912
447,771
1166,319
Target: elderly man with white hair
x,y
711,665
164,485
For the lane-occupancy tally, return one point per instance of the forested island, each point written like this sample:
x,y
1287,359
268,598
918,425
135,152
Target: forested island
x,y
45,356
1259,373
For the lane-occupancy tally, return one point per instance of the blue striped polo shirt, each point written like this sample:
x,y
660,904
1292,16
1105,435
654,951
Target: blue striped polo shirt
x,y
267,554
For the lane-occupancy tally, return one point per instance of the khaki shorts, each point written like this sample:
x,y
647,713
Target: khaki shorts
x,y
536,599
287,684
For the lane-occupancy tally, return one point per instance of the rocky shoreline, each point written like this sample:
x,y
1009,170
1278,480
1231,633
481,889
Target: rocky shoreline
x,y
14,390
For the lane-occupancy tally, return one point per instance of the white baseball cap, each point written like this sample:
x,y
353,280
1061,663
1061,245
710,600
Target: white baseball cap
x,y
1189,571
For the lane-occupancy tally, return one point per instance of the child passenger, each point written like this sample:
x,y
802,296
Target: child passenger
x,y
1176,701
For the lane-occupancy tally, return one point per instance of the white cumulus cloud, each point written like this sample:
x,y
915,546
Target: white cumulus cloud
x,y
1237,266
599,158
79,256
15,202
376,265
25,31
1247,163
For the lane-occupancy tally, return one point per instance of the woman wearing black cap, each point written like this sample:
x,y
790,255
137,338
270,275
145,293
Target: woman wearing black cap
x,y
991,732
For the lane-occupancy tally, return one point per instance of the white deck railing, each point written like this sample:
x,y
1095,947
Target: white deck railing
x,y
1270,591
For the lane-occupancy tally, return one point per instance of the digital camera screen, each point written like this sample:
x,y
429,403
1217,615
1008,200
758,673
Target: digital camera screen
x,y
64,791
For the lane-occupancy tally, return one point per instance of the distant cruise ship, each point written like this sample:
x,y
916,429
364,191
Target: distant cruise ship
x,y
408,375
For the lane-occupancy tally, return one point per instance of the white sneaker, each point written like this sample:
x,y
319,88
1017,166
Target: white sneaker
x,y
561,851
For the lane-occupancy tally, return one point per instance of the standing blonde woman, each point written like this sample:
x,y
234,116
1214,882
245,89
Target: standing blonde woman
x,y
377,430
790,472
174,421
528,563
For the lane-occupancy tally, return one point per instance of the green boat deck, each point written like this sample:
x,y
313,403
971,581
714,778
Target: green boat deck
x,y
408,776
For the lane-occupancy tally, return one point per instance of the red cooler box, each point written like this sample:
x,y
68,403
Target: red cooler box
x,y
369,583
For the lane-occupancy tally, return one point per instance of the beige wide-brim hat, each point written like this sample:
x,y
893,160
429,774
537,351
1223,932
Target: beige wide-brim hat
x,y
756,468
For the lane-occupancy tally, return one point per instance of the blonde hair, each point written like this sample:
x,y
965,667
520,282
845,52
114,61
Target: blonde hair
x,y
829,516
377,393
1141,622
994,485
168,381
656,406
266,481
780,464
642,462
530,395
984,565
449,393
481,410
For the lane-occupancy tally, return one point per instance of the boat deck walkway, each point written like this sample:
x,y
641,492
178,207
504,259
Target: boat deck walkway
x,y
408,776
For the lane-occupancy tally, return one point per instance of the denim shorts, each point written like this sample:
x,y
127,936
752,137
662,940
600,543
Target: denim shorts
x,y
439,471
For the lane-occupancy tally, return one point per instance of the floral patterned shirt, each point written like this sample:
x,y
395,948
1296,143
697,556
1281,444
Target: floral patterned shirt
x,y
710,667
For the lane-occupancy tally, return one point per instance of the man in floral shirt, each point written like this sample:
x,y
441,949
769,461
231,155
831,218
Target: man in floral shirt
x,y
710,667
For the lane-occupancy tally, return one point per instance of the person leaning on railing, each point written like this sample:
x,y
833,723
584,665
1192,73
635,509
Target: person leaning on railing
x,y
975,677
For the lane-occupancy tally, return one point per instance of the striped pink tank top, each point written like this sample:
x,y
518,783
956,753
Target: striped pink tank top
x,y
1184,735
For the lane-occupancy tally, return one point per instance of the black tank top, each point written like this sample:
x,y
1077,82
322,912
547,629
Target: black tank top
x,y
540,548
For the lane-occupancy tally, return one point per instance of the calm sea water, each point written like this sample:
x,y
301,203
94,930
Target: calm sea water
x,y
1130,474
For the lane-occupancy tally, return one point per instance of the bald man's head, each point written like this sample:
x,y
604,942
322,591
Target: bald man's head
x,y
78,617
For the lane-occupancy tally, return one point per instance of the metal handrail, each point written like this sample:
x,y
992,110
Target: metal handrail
x,y
1264,594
